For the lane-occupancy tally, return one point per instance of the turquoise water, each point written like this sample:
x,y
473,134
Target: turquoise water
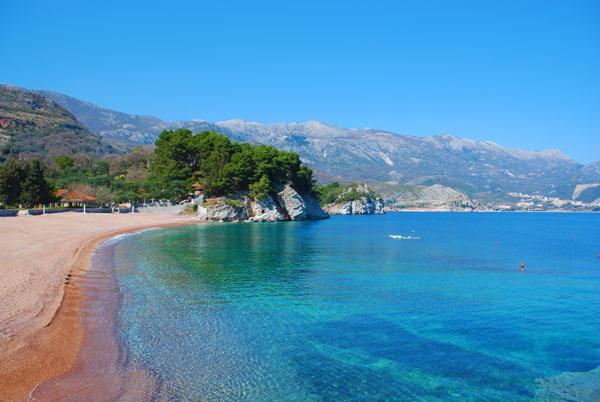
x,y
336,310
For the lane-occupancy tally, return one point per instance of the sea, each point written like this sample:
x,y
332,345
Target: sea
x,y
458,306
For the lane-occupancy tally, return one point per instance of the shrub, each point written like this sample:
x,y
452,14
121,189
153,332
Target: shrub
x,y
234,203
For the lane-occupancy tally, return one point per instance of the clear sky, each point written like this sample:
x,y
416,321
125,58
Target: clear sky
x,y
522,73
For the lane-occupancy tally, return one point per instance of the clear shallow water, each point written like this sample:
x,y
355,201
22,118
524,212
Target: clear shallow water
x,y
336,310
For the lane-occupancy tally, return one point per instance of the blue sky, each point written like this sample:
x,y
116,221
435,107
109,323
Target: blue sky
x,y
521,73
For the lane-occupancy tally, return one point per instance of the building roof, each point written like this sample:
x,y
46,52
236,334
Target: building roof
x,y
73,196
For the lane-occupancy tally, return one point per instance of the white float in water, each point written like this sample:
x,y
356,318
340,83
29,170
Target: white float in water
x,y
400,237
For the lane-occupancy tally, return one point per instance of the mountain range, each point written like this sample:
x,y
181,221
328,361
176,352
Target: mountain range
x,y
481,169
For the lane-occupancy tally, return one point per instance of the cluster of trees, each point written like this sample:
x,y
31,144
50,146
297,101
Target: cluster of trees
x,y
115,178
112,179
220,167
24,184
180,163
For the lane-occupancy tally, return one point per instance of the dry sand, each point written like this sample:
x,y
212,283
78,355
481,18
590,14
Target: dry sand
x,y
39,336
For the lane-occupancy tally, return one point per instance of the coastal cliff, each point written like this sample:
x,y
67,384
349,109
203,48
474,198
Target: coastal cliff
x,y
286,205
355,200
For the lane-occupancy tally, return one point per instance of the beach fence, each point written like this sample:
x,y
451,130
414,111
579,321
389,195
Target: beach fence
x,y
41,211
8,212
126,210
155,207
93,210
160,207
46,211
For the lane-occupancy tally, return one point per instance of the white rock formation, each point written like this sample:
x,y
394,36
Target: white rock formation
x,y
265,210
365,205
219,210
300,207
288,204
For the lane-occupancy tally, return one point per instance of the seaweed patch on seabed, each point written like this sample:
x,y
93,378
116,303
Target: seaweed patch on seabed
x,y
438,373
570,386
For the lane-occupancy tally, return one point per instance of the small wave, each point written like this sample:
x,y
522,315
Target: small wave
x,y
117,238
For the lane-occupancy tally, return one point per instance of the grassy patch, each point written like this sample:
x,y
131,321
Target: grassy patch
x,y
234,203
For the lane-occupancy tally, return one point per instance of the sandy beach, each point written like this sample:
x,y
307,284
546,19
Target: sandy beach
x,y
39,331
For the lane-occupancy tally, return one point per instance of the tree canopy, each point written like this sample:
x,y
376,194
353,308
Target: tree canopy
x,y
222,167
24,184
180,163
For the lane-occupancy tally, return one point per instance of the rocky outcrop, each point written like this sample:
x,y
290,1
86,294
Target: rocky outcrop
x,y
364,206
363,202
222,210
286,205
266,210
435,198
301,207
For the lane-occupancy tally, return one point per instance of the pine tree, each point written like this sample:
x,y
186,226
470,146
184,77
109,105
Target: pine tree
x,y
35,189
11,178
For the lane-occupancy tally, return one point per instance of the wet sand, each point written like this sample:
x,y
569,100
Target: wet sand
x,y
42,259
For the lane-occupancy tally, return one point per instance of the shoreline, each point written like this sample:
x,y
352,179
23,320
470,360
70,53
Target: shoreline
x,y
491,212
50,347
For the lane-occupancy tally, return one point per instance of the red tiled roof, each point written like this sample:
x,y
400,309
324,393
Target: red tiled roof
x,y
73,196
